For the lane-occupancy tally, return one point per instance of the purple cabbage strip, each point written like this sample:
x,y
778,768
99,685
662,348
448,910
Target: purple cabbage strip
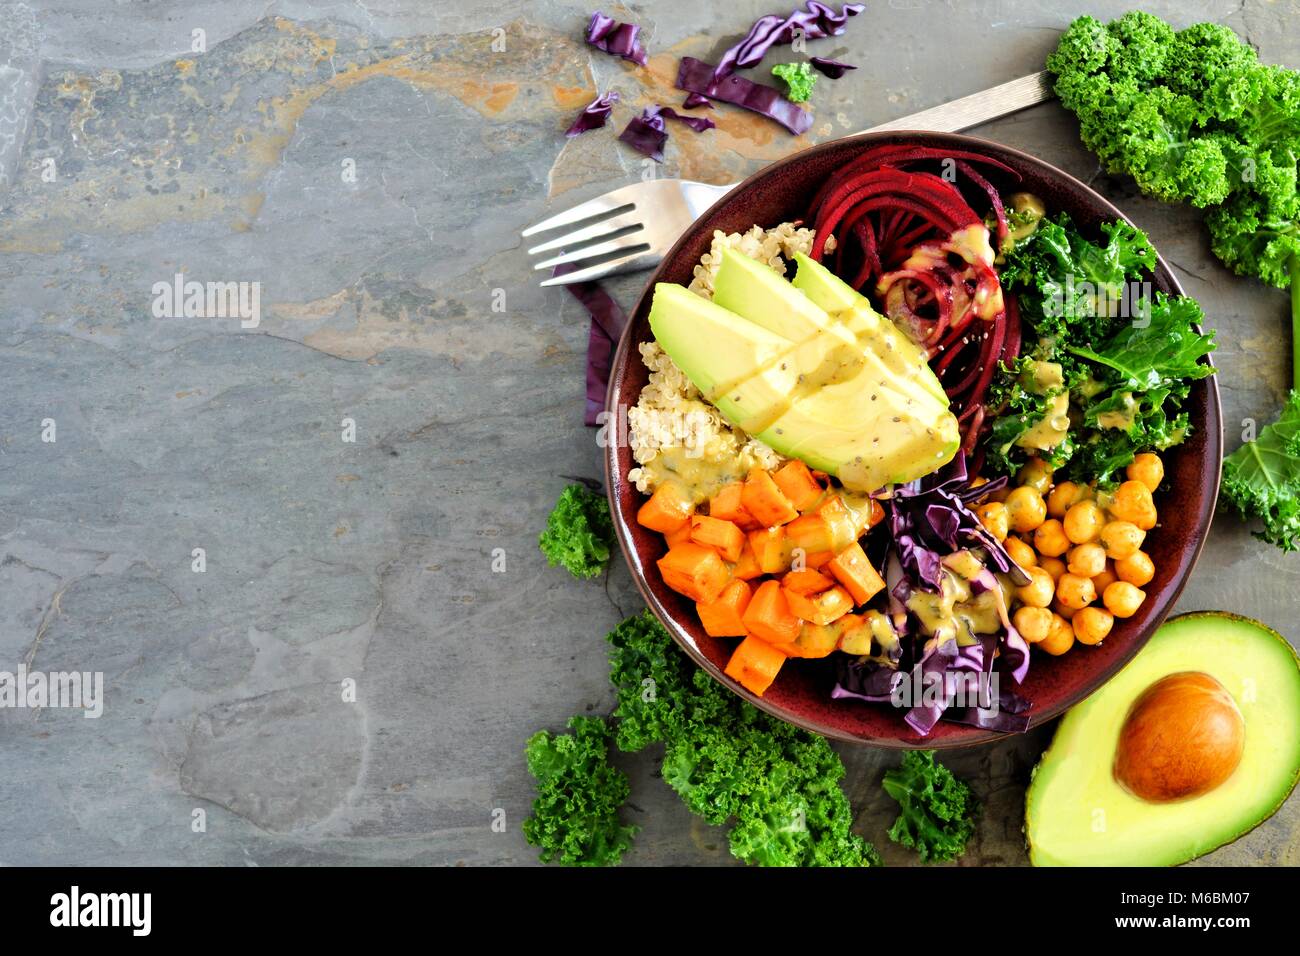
x,y
648,133
927,520
816,21
831,68
594,115
697,123
607,323
696,76
695,101
617,39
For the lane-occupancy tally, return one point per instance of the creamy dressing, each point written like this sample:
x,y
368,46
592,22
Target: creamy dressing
x,y
1052,429
700,475
954,612
1122,418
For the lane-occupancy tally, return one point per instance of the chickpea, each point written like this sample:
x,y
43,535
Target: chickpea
x,y
1106,578
1038,592
1020,552
1053,566
993,516
1063,496
1062,610
1121,538
1050,539
1025,509
1086,560
1123,599
1148,469
1132,502
1083,522
1036,474
1137,569
1033,623
1092,624
1075,591
1060,638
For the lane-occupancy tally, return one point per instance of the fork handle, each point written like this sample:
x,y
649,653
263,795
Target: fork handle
x,y
997,101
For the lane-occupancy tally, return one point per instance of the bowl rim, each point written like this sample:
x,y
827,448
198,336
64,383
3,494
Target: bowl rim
x,y
1213,426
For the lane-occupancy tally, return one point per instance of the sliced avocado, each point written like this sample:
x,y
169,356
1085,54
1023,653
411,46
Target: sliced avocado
x,y
756,292
809,390
1078,814
734,363
846,305
867,438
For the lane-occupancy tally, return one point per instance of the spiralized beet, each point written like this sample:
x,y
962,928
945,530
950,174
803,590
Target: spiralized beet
x,y
909,236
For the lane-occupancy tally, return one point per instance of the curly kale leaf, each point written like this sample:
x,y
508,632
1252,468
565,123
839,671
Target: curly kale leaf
x,y
729,761
578,532
1193,116
1157,348
1262,478
938,811
653,680
799,80
575,818
1126,357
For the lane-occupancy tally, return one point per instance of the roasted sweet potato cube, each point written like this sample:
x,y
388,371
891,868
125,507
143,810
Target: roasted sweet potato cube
x,y
768,616
770,549
797,483
820,608
694,570
724,617
716,533
668,509
852,569
811,533
807,581
754,665
765,501
727,505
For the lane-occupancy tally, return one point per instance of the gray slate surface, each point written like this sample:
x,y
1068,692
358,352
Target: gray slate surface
x,y
371,560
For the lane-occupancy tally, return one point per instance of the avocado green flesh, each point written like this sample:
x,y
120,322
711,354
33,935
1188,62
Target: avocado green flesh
x,y
1076,814
720,355
755,292
846,305
861,410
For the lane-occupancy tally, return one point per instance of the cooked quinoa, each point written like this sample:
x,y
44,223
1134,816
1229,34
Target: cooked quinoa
x,y
772,247
671,425
671,415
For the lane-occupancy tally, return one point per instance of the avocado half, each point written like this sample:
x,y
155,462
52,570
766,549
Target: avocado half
x,y
1078,814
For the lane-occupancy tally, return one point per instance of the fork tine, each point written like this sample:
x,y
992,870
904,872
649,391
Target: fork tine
x,y
610,202
604,227
628,242
625,264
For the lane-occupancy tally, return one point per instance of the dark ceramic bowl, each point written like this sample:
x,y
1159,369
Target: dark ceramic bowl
x,y
801,694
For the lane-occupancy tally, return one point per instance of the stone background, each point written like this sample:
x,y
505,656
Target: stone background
x,y
370,560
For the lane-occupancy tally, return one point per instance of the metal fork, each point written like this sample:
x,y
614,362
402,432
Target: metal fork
x,y
634,227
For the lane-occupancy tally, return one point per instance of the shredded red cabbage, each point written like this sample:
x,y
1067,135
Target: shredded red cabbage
x,y
696,76
617,39
704,82
697,123
594,115
816,21
607,323
928,520
648,133
831,68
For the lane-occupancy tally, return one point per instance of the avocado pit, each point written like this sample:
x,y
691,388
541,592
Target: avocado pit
x,y
1183,737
